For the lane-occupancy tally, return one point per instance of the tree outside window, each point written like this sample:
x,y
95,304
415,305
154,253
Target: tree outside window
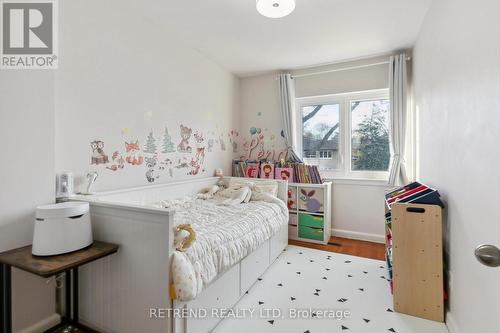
x,y
370,149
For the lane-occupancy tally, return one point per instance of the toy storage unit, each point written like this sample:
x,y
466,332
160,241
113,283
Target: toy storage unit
x,y
309,207
417,257
415,193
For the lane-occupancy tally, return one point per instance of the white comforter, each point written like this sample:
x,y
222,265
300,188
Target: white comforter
x,y
224,236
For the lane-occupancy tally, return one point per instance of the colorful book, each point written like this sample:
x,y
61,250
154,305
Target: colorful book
x,y
252,170
267,170
284,174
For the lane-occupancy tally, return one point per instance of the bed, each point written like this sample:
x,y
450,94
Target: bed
x,y
130,292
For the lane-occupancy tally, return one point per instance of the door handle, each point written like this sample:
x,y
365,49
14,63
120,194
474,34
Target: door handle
x,y
488,255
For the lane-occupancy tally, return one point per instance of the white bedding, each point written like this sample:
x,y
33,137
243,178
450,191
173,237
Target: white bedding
x,y
224,236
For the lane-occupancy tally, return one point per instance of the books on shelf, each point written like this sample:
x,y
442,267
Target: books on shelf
x,y
306,174
295,172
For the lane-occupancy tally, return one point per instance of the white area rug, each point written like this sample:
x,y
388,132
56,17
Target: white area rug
x,y
326,283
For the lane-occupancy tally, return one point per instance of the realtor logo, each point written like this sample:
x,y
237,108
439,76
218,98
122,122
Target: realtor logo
x,y
29,34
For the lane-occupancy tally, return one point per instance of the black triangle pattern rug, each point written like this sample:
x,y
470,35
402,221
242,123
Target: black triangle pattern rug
x,y
335,292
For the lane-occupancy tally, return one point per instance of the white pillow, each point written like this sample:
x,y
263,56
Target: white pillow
x,y
271,189
263,186
237,181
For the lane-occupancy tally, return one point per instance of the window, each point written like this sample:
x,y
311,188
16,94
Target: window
x,y
346,135
370,149
326,154
320,134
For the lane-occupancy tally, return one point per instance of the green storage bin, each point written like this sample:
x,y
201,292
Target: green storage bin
x,y
310,232
311,221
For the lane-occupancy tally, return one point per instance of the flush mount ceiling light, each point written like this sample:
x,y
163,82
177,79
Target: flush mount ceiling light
x,y
275,8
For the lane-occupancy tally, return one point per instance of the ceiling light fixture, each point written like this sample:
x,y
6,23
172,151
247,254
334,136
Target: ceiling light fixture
x,y
275,8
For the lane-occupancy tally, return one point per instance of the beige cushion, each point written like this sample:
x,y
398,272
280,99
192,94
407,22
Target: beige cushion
x,y
263,186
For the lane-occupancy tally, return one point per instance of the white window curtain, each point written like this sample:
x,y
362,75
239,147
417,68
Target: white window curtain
x,y
398,119
287,106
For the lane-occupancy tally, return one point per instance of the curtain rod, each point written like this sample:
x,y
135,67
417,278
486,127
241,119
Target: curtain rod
x,y
344,69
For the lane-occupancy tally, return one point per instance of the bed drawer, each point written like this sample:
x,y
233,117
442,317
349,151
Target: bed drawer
x,y
221,294
253,266
278,242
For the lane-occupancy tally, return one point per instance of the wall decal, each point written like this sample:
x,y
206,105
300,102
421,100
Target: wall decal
x,y
98,155
151,165
160,156
195,167
118,162
150,146
183,146
133,153
255,130
257,148
167,164
222,143
210,145
233,139
256,137
200,147
168,145
182,164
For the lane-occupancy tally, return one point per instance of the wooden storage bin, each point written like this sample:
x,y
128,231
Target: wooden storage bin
x,y
417,256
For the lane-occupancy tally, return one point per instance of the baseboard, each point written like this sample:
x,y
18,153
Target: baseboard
x,y
43,325
451,323
358,235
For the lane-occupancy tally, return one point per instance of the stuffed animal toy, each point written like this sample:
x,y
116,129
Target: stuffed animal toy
x,y
186,242
219,173
208,192
235,195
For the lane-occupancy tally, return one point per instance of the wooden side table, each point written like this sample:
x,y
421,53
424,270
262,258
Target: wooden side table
x,y
22,258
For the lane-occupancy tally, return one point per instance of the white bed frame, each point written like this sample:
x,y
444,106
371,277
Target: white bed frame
x,y
121,293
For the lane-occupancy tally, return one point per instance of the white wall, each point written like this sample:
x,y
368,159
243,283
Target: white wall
x,y
27,179
259,107
457,90
120,76
358,211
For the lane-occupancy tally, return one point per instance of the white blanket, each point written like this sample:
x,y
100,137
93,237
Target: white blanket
x,y
224,236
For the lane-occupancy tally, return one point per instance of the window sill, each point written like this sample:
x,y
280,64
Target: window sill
x,y
358,181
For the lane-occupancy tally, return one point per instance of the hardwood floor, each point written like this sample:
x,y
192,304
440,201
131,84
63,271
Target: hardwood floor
x,y
347,246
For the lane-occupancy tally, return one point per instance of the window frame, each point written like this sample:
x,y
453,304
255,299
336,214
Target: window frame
x,y
345,127
312,101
